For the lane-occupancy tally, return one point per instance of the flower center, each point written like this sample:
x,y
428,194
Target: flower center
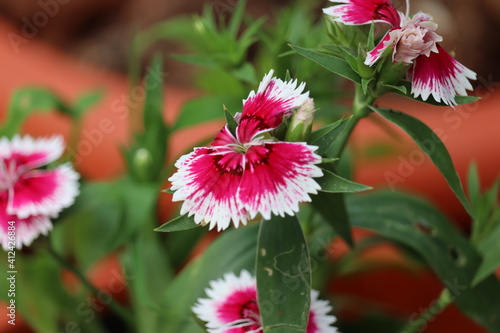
x,y
250,311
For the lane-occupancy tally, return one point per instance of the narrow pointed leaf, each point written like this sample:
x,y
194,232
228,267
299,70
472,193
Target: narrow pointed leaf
x,y
416,224
231,123
333,64
325,137
400,89
183,222
473,184
332,208
333,183
489,247
283,271
432,145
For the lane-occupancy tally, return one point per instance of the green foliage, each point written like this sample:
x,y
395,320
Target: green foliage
x,y
413,222
189,285
146,156
28,100
283,271
430,144
183,222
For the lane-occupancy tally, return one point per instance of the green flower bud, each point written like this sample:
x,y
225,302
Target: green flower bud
x,y
300,126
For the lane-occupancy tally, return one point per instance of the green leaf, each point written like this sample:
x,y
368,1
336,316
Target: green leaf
x,y
195,59
85,102
283,271
489,247
88,230
333,64
430,143
231,122
153,104
147,258
400,89
206,108
232,251
416,224
332,208
325,137
245,73
460,100
473,184
333,183
183,222
364,84
237,18
26,101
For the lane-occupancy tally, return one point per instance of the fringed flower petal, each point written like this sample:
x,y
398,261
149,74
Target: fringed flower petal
x,y
357,12
278,176
24,153
43,192
227,297
441,76
207,181
376,53
319,319
265,110
23,230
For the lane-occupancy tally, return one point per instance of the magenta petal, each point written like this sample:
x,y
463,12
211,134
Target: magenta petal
x,y
375,54
224,138
26,230
207,181
25,153
356,12
264,110
441,76
278,177
240,305
40,192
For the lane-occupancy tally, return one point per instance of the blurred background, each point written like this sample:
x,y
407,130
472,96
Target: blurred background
x,y
101,32
71,46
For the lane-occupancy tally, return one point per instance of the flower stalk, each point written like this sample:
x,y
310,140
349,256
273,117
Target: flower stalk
x,y
119,310
417,325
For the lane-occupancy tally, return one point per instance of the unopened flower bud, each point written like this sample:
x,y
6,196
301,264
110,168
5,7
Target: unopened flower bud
x,y
300,126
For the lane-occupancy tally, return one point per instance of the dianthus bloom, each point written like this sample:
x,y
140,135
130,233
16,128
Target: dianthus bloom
x,y
414,41
231,307
248,172
30,197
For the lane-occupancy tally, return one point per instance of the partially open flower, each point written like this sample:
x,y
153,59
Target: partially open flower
x,y
247,172
232,307
414,41
30,197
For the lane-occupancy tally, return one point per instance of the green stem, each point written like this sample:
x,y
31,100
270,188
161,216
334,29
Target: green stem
x,y
74,136
417,324
360,110
119,310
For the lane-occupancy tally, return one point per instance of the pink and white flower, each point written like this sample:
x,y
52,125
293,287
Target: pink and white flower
x,y
243,174
414,41
232,307
29,196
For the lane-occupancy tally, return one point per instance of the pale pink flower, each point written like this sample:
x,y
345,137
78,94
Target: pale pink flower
x,y
30,197
414,41
239,176
232,307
